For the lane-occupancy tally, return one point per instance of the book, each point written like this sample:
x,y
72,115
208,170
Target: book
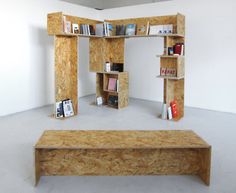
x,y
119,67
179,49
174,109
110,29
170,29
99,101
130,30
99,29
148,28
169,112
112,84
75,28
164,111
112,100
68,27
142,29
156,29
107,67
59,110
165,29
67,108
117,85
91,30
120,30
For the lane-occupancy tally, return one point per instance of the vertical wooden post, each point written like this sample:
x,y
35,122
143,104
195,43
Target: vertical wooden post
x,y
37,166
66,65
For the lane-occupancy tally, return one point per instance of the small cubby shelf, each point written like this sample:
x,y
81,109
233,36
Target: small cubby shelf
x,y
122,93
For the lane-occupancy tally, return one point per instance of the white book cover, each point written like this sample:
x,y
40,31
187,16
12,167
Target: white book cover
x,y
117,85
170,29
75,28
107,67
169,113
165,29
156,29
99,101
68,108
99,29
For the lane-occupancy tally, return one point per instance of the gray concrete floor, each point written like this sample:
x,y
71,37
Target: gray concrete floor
x,y
19,132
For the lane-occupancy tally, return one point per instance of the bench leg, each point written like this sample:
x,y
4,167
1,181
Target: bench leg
x,y
205,165
37,167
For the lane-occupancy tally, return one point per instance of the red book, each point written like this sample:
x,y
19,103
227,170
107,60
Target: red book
x,y
112,84
178,49
174,109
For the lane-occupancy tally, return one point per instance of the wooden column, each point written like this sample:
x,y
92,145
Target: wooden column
x,y
66,65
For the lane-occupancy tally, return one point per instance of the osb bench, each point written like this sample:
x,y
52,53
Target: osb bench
x,y
108,153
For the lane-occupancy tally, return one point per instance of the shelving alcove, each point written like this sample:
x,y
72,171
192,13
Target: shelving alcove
x,y
103,49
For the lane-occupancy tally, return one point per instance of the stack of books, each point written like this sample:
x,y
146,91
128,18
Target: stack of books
x,y
170,112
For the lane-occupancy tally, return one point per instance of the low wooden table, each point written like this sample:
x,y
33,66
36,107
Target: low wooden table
x,y
107,153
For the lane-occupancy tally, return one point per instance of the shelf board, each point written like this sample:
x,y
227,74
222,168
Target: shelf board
x,y
111,72
123,36
171,78
111,91
170,56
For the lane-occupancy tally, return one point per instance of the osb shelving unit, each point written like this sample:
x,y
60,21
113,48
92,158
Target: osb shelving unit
x,y
111,153
111,49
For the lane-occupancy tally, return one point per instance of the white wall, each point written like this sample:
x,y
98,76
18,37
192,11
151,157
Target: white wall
x,y
27,54
210,49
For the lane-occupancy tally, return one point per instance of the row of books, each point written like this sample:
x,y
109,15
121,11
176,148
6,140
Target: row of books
x,y
177,49
64,108
171,112
113,84
170,72
107,29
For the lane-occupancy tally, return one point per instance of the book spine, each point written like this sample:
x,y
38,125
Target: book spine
x,y
117,85
169,113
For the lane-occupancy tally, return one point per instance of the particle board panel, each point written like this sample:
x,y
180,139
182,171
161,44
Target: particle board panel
x,y
99,85
180,24
115,139
114,50
176,63
37,166
123,99
66,69
174,90
119,162
96,54
205,160
69,153
55,23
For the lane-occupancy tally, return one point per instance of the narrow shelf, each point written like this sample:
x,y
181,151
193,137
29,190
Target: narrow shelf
x,y
111,91
171,78
170,56
123,36
111,72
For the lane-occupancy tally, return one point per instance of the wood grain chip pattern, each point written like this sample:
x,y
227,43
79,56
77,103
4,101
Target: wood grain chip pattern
x,y
120,139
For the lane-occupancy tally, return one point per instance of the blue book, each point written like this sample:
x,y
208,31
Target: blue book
x,y
130,30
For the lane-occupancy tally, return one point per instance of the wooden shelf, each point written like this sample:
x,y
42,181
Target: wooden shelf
x,y
170,56
172,78
111,91
124,36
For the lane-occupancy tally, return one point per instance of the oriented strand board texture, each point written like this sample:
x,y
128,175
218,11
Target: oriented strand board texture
x,y
176,63
96,54
55,23
180,24
66,69
119,162
174,90
99,85
123,96
105,50
120,139
122,153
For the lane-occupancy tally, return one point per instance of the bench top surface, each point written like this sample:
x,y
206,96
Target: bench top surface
x,y
113,139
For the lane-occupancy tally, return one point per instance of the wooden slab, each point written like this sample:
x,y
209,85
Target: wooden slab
x,y
119,140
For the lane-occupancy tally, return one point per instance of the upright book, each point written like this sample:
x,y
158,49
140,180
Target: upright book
x,y
112,84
